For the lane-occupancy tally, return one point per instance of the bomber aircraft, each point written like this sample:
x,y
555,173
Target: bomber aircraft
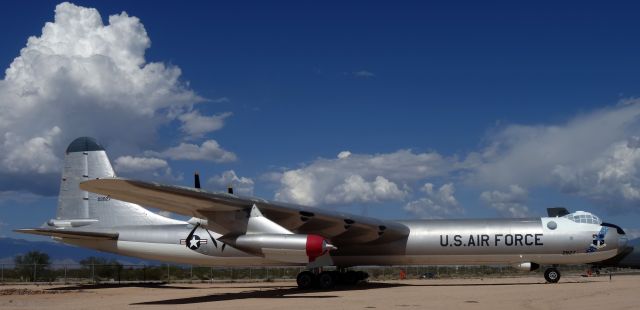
x,y
100,211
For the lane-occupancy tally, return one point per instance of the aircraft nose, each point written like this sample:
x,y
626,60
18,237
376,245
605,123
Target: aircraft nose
x,y
622,242
620,236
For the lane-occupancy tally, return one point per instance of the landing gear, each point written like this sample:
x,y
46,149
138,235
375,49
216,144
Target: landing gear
x,y
306,280
329,279
552,275
349,278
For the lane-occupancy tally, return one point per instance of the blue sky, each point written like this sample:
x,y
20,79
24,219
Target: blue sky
x,y
478,84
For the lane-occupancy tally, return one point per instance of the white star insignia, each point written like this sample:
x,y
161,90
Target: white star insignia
x,y
193,242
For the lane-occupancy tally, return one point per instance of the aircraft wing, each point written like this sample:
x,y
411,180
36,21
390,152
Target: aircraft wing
x,y
69,234
227,212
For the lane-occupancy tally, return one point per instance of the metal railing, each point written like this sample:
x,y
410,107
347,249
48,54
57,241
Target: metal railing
x,y
116,273
99,273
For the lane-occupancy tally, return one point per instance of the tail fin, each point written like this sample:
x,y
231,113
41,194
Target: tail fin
x,y
85,159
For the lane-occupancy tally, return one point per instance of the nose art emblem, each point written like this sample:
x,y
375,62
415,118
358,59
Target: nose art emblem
x,y
598,240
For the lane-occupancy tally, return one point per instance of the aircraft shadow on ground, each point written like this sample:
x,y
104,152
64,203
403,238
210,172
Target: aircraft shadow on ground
x,y
115,285
267,292
293,292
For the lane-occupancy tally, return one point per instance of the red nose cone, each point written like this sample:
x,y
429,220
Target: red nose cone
x,y
315,246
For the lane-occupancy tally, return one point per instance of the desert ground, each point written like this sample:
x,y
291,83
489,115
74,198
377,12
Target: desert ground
x,y
573,292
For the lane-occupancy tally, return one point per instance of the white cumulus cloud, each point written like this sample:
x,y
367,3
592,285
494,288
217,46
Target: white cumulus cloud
x,y
241,185
130,163
84,77
438,203
35,154
145,168
355,189
195,124
594,155
613,178
344,154
511,203
209,150
351,178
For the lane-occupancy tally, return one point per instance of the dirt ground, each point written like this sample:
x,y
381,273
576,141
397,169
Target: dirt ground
x,y
496,293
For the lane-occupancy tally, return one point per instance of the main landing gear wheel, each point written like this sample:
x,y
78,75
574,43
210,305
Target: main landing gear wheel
x,y
305,280
326,280
349,278
329,279
552,275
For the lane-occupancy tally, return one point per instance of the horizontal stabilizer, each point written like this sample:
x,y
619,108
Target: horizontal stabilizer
x,y
69,234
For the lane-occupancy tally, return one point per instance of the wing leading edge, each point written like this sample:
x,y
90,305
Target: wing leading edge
x,y
227,213
69,234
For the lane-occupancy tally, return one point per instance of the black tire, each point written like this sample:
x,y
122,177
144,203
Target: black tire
x,y
349,278
326,281
552,275
305,280
362,275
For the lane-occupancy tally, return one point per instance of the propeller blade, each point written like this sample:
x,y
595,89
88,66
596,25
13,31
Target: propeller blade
x,y
212,238
190,236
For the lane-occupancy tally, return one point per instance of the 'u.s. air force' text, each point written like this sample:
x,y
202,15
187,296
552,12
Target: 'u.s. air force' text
x,y
492,240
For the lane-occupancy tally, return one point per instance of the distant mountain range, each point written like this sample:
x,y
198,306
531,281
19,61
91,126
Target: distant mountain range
x,y
58,252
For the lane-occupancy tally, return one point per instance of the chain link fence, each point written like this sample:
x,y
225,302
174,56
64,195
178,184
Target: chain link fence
x,y
116,273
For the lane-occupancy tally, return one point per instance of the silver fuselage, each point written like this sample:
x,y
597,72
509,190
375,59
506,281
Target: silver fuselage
x,y
430,242
147,235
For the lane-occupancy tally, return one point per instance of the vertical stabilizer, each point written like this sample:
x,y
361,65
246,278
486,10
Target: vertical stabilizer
x,y
86,159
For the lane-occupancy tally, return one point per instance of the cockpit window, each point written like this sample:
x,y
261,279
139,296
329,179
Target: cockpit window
x,y
583,217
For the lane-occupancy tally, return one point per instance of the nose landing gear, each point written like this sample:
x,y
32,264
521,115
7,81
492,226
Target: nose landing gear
x,y
552,275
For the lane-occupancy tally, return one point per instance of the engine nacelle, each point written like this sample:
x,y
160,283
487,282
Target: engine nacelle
x,y
526,266
290,248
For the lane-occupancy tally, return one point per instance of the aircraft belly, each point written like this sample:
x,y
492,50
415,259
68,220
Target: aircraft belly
x,y
471,259
180,253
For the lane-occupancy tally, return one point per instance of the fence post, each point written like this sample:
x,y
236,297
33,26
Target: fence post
x,y
93,273
211,275
35,267
65,273
2,274
191,274
168,273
